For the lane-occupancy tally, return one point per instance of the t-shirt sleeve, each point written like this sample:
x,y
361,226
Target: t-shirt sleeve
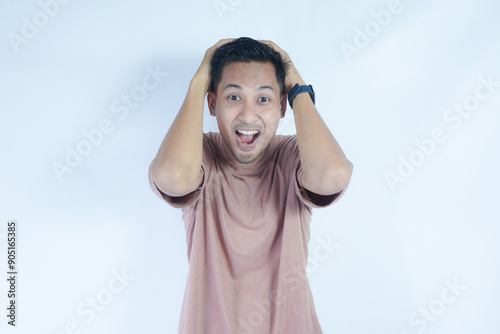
x,y
309,198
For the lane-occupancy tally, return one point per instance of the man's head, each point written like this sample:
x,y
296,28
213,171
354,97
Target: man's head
x,y
245,49
247,97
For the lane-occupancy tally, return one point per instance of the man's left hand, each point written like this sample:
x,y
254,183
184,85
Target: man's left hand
x,y
292,76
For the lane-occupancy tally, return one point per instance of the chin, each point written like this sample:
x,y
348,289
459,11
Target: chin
x,y
245,158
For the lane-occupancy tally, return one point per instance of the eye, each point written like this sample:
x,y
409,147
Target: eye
x,y
233,97
263,99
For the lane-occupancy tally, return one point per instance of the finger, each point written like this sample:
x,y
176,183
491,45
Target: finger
x,y
223,41
271,43
209,53
275,47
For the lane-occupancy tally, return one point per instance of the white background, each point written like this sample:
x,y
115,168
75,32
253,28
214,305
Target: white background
x,y
395,247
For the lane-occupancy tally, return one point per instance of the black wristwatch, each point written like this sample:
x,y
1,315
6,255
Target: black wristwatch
x,y
297,89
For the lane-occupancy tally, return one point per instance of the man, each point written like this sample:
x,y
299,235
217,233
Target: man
x,y
246,193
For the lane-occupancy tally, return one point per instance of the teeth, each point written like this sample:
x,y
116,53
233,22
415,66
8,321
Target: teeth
x,y
248,132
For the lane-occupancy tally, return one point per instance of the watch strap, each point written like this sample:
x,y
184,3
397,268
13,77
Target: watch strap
x,y
297,89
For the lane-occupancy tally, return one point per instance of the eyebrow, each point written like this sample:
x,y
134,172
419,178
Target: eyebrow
x,y
231,85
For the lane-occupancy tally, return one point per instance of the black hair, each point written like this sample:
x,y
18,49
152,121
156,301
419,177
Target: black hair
x,y
245,49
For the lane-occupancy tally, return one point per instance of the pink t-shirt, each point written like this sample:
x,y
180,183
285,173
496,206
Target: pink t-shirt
x,y
247,232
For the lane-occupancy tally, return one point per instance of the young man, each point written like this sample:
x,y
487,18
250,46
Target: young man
x,y
246,193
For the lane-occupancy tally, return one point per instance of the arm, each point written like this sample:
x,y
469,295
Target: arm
x,y
177,166
325,168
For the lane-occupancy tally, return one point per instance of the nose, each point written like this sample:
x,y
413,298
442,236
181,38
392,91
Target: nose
x,y
248,112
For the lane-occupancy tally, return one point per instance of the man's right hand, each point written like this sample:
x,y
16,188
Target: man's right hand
x,y
203,73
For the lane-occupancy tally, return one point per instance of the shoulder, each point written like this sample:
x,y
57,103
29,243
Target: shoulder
x,y
284,147
211,145
210,138
285,139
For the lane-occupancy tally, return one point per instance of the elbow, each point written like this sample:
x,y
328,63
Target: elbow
x,y
331,181
175,182
337,180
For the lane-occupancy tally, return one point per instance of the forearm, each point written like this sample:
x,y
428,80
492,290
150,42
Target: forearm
x,y
325,168
177,166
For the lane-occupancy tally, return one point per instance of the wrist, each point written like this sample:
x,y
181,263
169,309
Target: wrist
x,y
199,83
298,91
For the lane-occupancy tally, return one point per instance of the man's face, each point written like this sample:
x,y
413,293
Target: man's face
x,y
248,107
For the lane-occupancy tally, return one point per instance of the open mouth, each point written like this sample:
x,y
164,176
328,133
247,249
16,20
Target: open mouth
x,y
247,137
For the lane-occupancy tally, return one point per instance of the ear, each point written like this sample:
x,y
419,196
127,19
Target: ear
x,y
283,103
211,100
